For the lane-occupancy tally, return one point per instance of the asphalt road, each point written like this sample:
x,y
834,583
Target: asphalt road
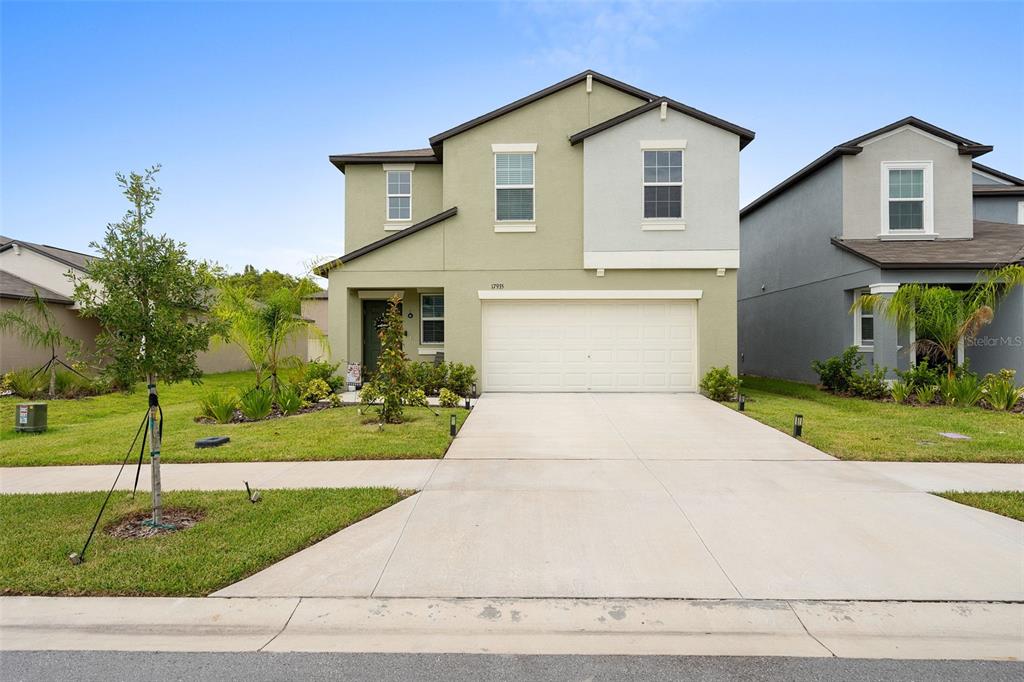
x,y
254,667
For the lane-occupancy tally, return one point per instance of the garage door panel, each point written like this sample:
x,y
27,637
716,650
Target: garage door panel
x,y
588,345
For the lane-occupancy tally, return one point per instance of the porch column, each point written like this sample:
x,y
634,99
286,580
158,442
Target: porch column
x,y
886,333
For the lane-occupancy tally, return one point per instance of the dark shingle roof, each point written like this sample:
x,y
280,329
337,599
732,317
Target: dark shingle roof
x,y
964,146
998,173
12,286
397,156
993,245
70,258
999,190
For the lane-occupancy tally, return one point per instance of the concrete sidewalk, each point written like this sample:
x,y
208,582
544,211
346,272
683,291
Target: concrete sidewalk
x,y
536,626
407,473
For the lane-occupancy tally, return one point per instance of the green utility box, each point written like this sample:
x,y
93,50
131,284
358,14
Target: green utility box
x,y
30,417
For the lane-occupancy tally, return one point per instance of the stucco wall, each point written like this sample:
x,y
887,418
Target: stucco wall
x,y
366,201
37,269
801,314
998,209
862,185
613,186
15,354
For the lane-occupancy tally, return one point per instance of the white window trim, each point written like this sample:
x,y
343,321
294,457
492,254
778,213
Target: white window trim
x,y
658,224
858,340
927,212
514,225
424,318
1020,212
387,195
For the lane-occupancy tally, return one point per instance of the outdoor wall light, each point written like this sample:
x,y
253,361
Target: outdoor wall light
x,y
742,402
798,425
451,426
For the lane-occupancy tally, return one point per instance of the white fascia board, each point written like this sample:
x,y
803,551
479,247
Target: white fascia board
x,y
589,294
995,179
518,147
884,288
662,260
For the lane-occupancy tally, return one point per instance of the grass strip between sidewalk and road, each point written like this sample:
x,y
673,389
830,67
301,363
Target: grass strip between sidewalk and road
x,y
857,429
235,539
1004,502
98,430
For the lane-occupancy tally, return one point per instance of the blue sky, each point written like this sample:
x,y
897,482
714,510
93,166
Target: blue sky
x,y
243,102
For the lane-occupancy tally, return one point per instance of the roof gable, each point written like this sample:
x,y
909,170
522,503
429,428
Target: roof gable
x,y
73,259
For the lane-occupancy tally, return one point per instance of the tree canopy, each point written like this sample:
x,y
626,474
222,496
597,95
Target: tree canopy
x,y
264,284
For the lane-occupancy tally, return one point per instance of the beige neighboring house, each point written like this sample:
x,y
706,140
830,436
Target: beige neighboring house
x,y
26,267
582,238
314,309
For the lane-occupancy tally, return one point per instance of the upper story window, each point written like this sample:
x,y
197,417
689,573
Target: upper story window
x,y
663,183
907,192
399,194
514,186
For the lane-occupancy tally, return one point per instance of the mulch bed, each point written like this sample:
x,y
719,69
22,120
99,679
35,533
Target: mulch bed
x,y
131,527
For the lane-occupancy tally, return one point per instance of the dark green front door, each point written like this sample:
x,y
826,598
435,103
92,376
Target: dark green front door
x,y
373,321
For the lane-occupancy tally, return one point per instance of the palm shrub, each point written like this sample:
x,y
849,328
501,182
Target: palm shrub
x,y
257,403
289,399
943,318
720,384
926,394
1001,391
37,326
219,405
901,391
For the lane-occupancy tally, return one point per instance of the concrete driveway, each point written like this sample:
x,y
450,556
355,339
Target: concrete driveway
x,y
660,496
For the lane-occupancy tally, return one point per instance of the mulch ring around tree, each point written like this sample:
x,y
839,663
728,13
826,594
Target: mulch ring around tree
x,y
134,526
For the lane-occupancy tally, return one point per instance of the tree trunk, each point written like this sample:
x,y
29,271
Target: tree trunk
x,y
53,381
154,450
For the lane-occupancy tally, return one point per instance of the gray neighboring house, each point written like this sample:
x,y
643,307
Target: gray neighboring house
x,y
904,203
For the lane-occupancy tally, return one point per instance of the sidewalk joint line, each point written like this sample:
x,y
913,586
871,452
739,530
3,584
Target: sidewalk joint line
x,y
283,627
801,621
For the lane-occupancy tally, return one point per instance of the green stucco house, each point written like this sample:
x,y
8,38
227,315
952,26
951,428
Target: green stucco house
x,y
582,238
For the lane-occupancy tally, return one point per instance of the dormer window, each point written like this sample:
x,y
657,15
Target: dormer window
x,y
907,198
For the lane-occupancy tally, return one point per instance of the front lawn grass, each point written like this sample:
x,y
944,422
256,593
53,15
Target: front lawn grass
x,y
1007,503
852,428
234,540
98,430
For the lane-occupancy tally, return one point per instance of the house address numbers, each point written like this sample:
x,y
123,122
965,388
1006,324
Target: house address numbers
x,y
498,285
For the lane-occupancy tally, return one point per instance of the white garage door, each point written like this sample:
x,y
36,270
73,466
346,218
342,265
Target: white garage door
x,y
559,345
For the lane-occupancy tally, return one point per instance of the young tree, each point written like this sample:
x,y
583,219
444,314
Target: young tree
x,y
35,324
942,317
262,329
391,380
153,304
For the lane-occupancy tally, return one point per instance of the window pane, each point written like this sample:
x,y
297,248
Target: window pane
x,y
513,169
399,208
906,183
433,305
663,166
515,204
906,215
650,159
433,331
399,182
663,202
867,330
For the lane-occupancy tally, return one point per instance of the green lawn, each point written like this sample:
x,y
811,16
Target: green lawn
x,y
98,430
235,540
1009,503
851,428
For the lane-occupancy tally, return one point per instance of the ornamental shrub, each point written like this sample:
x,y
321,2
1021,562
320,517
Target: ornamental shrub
x,y
447,398
926,394
836,373
219,406
1001,390
870,384
901,391
720,384
921,374
317,390
257,404
416,398
392,378
289,399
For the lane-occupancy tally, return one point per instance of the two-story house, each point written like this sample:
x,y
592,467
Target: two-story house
x,y
584,237
904,203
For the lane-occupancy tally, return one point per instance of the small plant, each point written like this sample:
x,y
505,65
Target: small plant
x,y
335,399
317,390
719,384
1001,390
257,404
901,391
289,399
25,385
447,398
921,374
965,391
416,398
219,405
836,373
870,384
5,384
323,370
946,386
926,394
369,394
